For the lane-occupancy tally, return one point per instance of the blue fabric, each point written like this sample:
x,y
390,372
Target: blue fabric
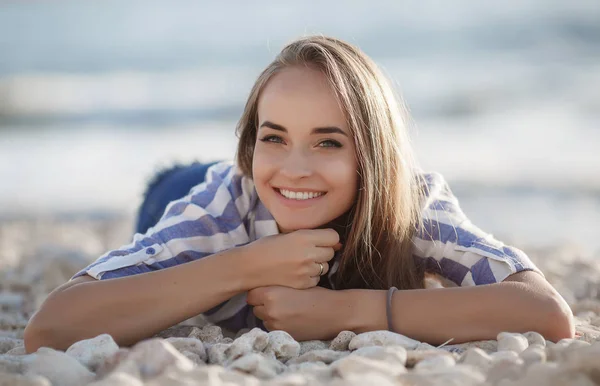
x,y
168,185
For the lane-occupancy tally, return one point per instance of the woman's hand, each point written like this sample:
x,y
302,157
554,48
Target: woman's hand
x,y
292,259
315,313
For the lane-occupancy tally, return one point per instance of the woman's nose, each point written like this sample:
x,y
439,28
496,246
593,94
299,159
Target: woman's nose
x,y
296,165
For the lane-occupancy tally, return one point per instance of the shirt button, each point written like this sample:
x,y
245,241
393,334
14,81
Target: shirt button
x,y
150,251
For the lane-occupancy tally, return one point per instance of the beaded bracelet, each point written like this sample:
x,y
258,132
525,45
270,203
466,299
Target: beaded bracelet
x,y
389,307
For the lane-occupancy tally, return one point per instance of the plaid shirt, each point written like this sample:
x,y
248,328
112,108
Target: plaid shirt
x,y
225,212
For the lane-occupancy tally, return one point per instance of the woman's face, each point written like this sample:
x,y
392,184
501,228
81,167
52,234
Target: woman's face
x,y
304,165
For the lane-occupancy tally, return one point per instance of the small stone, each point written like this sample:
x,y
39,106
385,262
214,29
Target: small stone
x,y
505,356
489,346
505,370
435,363
7,344
23,380
478,358
258,365
216,353
318,370
112,362
177,331
533,354
10,364
414,357
118,379
535,338
241,332
191,348
311,345
512,342
93,352
394,355
355,364
282,346
584,359
538,374
326,356
254,341
58,367
341,341
17,351
573,343
208,334
360,379
454,375
563,348
10,301
423,346
150,358
382,338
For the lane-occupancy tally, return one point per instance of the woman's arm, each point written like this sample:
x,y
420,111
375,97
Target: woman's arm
x,y
523,302
136,307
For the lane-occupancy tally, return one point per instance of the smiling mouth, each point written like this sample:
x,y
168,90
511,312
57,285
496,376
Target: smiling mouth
x,y
299,196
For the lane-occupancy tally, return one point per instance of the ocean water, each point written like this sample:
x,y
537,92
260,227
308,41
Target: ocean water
x,y
505,98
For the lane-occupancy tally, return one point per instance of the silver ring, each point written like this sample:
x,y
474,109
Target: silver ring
x,y
321,271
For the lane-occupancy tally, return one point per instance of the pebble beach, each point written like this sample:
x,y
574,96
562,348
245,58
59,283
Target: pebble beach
x,y
39,254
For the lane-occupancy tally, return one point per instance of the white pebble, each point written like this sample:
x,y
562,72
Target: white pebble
x,y
533,354
58,367
258,365
255,340
478,358
354,364
382,338
394,355
435,363
508,341
93,352
535,338
191,348
282,346
325,356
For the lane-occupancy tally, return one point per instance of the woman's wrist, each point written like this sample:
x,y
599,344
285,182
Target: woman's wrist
x,y
247,272
364,310
234,262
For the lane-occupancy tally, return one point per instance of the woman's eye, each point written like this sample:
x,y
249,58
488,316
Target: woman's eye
x,y
330,143
272,138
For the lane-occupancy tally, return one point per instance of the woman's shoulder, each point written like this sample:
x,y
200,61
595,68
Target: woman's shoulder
x,y
225,183
435,190
229,175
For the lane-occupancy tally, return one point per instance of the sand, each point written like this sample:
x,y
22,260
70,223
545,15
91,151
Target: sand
x,y
38,254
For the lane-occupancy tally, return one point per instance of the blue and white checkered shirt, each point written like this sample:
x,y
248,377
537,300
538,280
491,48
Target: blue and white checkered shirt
x,y
225,212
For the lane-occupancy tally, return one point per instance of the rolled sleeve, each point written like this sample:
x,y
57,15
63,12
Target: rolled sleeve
x,y
449,245
206,221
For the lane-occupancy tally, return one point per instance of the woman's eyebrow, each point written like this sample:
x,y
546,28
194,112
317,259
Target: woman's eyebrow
x,y
316,130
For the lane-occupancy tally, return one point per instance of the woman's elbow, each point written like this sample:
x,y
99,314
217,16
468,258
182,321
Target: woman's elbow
x,y
559,323
40,332
33,336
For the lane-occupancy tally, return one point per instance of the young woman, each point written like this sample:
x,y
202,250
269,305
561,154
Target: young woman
x,y
323,214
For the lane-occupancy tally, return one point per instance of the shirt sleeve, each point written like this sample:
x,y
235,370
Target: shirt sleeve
x,y
449,244
208,220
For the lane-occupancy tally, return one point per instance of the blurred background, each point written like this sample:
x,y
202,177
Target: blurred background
x,y
505,97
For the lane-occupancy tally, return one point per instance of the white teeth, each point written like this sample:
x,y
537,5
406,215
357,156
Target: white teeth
x,y
299,195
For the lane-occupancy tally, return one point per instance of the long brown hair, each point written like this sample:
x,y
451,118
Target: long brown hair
x,y
378,247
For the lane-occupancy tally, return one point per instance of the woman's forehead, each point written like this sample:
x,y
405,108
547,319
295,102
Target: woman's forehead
x,y
301,96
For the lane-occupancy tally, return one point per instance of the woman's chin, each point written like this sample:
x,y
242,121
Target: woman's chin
x,y
291,227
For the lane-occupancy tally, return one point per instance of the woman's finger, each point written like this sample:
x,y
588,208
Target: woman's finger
x,y
318,269
323,254
260,312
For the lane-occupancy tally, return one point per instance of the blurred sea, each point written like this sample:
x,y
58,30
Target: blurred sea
x,y
505,96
